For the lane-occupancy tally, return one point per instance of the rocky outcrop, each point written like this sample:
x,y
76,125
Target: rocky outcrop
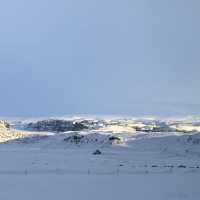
x,y
56,125
115,140
95,139
4,124
7,134
97,152
76,138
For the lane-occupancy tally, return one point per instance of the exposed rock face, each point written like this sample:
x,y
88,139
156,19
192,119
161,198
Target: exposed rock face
x,y
77,138
56,125
115,140
97,152
6,134
95,139
108,126
4,124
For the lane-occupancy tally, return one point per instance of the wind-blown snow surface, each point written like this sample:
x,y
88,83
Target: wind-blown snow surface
x,y
140,159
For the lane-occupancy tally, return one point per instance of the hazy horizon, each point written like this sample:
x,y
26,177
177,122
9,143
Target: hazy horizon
x,y
99,57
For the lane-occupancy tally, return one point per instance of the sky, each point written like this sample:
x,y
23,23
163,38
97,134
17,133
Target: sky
x,y
107,57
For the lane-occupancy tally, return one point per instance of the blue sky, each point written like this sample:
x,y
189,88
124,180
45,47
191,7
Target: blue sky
x,y
99,57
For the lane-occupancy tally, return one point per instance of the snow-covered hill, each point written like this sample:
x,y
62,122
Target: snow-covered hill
x,y
113,147
143,142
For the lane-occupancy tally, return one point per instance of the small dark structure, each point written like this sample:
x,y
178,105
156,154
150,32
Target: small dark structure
x,y
97,152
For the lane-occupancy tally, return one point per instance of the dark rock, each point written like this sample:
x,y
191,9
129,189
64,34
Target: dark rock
x,y
56,125
111,138
181,166
114,139
97,152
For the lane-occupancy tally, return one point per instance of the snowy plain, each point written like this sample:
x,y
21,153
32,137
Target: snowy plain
x,y
140,159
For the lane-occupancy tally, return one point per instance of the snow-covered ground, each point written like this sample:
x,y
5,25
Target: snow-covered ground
x,y
138,159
